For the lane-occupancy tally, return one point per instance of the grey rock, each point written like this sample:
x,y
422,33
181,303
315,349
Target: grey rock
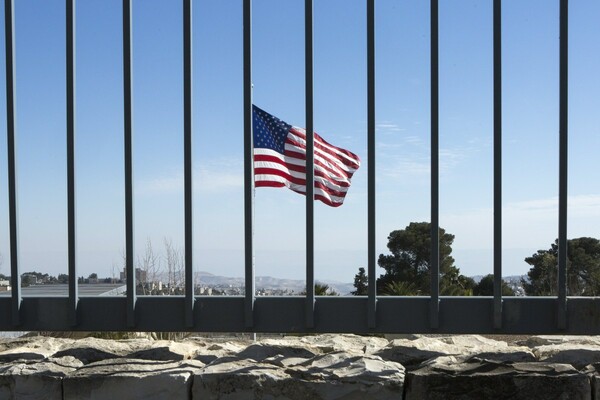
x,y
262,351
449,378
335,375
349,343
593,372
340,365
91,350
131,379
37,348
209,351
412,352
569,353
166,351
595,382
244,379
544,340
33,380
284,361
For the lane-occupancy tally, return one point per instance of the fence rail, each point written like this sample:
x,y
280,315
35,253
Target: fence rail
x,y
375,314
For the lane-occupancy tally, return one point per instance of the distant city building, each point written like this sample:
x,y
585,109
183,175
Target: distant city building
x,y
140,275
4,286
206,291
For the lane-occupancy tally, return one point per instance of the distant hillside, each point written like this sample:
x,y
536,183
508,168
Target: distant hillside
x,y
514,281
269,282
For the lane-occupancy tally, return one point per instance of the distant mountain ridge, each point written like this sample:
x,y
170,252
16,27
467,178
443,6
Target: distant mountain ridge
x,y
299,285
509,278
269,282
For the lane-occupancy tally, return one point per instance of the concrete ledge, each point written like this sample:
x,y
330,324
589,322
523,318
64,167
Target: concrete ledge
x,y
309,367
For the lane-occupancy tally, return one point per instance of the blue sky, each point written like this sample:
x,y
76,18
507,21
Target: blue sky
x,y
530,101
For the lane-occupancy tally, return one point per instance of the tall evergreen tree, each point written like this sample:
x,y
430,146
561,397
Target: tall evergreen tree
x,y
410,260
583,269
361,283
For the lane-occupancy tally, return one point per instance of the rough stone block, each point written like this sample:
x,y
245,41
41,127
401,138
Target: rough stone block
x,y
412,352
577,355
349,343
335,375
131,379
36,348
35,380
448,378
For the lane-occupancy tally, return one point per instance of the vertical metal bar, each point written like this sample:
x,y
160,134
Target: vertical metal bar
x,y
435,207
15,275
372,290
187,161
71,215
128,147
248,167
563,163
310,186
497,164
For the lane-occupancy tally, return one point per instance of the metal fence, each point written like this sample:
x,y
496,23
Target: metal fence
x,y
309,313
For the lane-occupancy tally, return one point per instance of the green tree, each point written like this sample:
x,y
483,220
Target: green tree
x,y
361,283
583,269
322,289
485,287
63,278
410,259
397,288
34,277
28,280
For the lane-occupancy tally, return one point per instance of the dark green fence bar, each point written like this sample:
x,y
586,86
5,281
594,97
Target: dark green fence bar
x,y
248,168
187,162
128,149
71,211
371,237
563,163
15,274
497,163
435,171
310,163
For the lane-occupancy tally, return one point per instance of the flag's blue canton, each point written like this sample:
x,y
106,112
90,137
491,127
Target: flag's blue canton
x,y
269,132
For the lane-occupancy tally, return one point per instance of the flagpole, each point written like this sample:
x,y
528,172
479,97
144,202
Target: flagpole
x,y
253,334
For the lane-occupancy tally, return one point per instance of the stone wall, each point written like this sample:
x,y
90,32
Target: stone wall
x,y
309,367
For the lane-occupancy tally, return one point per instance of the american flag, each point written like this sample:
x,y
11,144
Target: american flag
x,y
280,160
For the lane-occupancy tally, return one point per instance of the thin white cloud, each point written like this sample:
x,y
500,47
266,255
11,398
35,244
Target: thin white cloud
x,y
387,145
410,164
530,223
220,175
388,127
213,180
415,140
450,158
161,185
404,170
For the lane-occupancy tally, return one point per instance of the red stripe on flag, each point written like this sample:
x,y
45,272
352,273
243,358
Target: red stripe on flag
x,y
330,176
299,181
344,156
